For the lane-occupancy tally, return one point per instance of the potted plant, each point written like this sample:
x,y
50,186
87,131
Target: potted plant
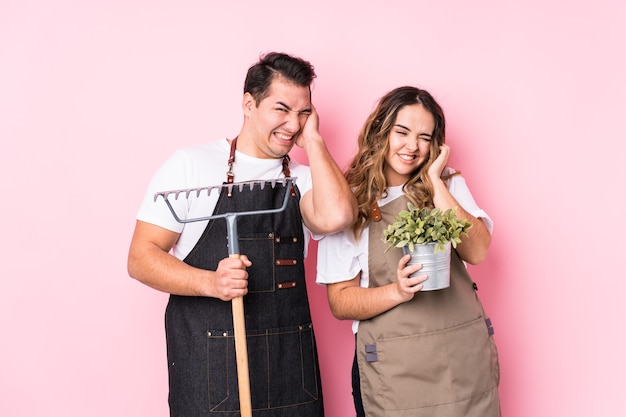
x,y
428,235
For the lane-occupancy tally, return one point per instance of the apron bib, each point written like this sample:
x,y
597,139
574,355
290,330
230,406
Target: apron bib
x,y
431,356
282,354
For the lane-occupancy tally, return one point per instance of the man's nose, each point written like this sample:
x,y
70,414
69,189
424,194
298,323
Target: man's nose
x,y
293,121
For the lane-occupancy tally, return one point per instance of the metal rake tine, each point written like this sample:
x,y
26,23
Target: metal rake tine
x,y
199,191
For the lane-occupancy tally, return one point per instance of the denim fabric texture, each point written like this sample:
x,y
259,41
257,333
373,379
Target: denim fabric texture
x,y
282,353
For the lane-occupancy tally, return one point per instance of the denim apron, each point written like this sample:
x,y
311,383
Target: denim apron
x,y
282,354
431,356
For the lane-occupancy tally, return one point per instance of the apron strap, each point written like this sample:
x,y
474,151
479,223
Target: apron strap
x,y
230,175
287,173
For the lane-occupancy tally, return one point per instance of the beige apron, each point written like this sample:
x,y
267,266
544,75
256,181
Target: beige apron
x,y
431,356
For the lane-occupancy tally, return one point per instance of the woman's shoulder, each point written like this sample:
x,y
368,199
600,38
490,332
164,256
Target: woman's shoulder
x,y
448,170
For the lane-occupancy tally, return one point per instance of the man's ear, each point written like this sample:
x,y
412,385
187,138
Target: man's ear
x,y
248,104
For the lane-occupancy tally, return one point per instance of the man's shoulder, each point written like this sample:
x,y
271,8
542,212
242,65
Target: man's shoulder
x,y
296,166
303,175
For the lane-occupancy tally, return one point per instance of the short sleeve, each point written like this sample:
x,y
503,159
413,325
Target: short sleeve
x,y
169,176
338,258
459,189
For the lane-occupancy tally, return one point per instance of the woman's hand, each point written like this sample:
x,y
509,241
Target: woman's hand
x,y
438,165
407,286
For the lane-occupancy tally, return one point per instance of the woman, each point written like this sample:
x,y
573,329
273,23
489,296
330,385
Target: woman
x,y
418,353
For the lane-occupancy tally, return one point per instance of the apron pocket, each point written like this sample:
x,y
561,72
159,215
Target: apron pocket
x,y
441,367
257,246
282,364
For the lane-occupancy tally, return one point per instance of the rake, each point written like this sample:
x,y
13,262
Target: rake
x,y
241,349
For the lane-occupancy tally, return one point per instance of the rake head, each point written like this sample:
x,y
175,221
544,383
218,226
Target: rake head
x,y
284,182
231,218
198,191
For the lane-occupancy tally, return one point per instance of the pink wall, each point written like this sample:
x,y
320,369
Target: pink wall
x,y
94,95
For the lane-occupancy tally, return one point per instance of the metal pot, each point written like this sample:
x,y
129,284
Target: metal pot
x,y
435,265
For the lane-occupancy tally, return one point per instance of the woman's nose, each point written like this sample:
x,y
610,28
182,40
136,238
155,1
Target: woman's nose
x,y
411,144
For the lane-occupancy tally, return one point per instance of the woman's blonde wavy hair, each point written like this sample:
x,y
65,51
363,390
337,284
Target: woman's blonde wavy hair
x,y
365,173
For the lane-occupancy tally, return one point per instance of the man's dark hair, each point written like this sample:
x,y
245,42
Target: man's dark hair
x,y
277,64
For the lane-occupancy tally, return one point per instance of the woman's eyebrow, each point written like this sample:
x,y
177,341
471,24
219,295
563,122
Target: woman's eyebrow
x,y
406,128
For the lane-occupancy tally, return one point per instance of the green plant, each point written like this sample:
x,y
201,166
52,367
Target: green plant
x,y
420,226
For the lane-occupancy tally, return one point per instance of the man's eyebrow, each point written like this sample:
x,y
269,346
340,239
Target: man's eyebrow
x,y
406,128
307,110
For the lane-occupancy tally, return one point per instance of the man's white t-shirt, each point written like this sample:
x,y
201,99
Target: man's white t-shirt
x,y
340,256
203,166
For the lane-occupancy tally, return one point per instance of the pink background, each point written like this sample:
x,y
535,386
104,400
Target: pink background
x,y
95,95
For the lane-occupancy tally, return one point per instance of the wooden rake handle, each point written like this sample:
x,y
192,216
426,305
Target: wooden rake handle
x,y
241,353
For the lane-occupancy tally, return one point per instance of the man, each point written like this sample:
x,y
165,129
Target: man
x,y
190,260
